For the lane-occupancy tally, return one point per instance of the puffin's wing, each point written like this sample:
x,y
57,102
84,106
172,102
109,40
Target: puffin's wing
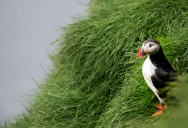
x,y
162,74
157,82
160,77
166,76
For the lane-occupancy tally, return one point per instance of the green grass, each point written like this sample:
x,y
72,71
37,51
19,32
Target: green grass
x,y
96,79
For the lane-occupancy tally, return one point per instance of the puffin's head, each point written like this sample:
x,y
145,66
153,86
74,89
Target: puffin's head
x,y
150,47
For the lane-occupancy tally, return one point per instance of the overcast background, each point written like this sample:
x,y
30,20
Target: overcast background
x,y
27,27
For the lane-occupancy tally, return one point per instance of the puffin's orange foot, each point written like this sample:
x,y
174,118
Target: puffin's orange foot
x,y
159,106
158,113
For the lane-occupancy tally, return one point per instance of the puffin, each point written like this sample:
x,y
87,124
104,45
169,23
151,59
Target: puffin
x,y
157,71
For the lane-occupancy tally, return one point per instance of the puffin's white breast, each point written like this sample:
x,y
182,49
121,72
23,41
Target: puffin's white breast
x,y
148,70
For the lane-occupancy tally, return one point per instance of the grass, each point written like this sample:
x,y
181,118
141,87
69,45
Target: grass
x,y
96,79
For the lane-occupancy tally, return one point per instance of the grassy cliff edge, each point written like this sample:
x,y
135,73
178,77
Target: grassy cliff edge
x,y
96,79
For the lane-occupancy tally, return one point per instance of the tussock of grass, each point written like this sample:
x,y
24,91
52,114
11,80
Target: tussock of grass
x,y
96,80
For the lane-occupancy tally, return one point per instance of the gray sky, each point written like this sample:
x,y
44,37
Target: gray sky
x,y
27,27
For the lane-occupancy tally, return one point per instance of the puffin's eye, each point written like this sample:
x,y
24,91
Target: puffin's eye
x,y
150,45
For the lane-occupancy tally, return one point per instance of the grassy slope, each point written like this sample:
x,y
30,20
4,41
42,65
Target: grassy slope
x,y
96,80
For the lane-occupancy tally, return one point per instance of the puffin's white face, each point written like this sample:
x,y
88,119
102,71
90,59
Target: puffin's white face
x,y
150,48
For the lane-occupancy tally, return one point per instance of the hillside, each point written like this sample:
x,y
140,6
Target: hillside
x,y
96,78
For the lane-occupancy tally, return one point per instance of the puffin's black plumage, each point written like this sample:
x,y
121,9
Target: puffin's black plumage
x,y
156,70
163,73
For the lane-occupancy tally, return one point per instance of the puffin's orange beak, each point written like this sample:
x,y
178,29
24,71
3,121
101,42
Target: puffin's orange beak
x,y
141,53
